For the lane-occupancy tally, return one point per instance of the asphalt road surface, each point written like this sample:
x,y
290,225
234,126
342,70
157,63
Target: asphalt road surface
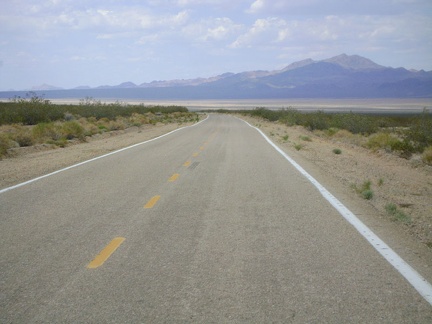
x,y
208,224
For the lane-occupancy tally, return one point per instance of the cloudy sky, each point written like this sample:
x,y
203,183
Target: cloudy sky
x,y
69,43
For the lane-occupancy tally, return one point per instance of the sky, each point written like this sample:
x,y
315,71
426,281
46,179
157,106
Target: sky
x,y
70,43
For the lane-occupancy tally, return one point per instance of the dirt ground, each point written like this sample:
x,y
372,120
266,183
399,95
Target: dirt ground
x,y
407,184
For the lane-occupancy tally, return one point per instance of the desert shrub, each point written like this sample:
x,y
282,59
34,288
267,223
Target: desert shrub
x,y
118,124
382,140
331,131
5,144
24,137
337,151
397,214
318,120
427,155
420,132
365,190
404,148
305,138
355,123
341,133
47,131
367,194
270,115
72,129
298,147
138,119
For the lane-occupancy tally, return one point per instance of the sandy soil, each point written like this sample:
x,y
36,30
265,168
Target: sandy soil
x,y
407,184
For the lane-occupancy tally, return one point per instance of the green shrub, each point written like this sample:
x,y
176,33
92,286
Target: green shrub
x,y
404,148
420,131
382,141
397,214
427,155
298,147
331,131
4,144
364,190
337,151
47,131
72,129
24,137
367,194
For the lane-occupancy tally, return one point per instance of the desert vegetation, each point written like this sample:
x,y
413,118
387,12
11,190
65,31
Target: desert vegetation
x,y
400,134
34,120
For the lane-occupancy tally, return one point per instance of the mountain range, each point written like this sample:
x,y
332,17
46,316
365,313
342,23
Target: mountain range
x,y
342,76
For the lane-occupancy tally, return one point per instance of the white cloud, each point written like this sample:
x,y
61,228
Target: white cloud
x,y
217,29
274,32
256,7
337,7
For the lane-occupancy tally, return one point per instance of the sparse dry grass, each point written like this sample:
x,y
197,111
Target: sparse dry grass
x,y
72,126
427,155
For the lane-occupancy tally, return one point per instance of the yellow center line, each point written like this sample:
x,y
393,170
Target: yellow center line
x,y
152,202
173,177
187,163
202,148
195,154
106,253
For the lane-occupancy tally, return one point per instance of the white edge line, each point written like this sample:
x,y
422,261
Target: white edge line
x,y
96,158
423,287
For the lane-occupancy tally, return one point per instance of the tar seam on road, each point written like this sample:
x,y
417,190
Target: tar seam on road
x,y
423,287
96,158
105,253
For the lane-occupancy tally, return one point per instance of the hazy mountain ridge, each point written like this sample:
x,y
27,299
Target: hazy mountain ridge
x,y
342,76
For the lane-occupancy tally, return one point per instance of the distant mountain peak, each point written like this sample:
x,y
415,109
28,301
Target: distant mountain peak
x,y
46,87
354,62
298,64
127,85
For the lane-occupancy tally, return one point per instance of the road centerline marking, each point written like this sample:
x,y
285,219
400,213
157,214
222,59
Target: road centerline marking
x,y
187,163
174,177
152,202
105,253
195,154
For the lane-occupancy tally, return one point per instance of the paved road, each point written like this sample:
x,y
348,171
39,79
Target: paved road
x,y
208,224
